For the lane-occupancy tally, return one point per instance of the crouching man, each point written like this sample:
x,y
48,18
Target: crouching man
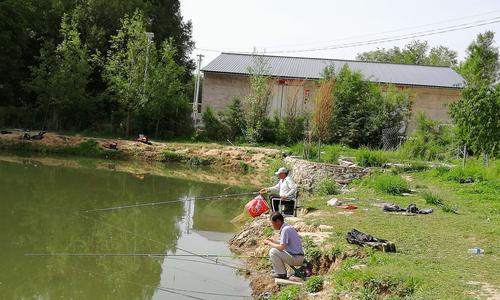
x,y
288,250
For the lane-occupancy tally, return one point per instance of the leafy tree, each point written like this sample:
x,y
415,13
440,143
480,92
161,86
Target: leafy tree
x,y
61,78
482,64
475,114
361,110
166,100
256,102
416,52
234,118
125,69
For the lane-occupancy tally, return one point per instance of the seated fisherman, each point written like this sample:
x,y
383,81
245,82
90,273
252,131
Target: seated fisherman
x,y
286,189
288,250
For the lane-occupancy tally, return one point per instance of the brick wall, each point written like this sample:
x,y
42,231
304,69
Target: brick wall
x,y
218,89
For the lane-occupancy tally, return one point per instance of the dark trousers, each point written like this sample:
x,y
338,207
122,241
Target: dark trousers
x,y
275,203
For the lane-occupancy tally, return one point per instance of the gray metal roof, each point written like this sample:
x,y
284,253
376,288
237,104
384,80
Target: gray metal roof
x,y
311,68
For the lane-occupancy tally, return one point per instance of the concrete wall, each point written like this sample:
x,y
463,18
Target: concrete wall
x,y
218,89
433,102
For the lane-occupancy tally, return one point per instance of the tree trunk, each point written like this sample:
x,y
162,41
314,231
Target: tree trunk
x,y
319,149
157,126
127,126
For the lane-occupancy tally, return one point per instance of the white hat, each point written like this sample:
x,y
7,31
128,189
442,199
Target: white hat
x,y
281,170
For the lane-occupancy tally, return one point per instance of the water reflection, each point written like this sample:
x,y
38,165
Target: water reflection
x,y
40,212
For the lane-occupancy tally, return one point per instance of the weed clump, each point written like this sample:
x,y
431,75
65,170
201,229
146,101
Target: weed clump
x,y
326,187
314,284
390,184
371,158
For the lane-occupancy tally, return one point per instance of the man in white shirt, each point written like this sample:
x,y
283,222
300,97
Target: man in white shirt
x,y
285,188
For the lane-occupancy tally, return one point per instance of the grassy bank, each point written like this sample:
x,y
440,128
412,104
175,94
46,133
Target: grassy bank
x,y
432,260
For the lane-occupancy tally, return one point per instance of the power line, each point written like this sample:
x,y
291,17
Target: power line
x,y
389,31
398,37
383,40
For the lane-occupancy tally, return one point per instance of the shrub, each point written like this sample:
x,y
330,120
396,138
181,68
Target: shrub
x,y
331,153
311,251
325,187
370,158
214,128
390,184
289,293
469,174
429,141
306,150
314,284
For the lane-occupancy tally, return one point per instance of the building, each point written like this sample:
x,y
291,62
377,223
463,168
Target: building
x,y
294,80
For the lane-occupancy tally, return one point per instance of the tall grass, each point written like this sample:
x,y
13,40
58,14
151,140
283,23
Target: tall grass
x,y
371,158
389,184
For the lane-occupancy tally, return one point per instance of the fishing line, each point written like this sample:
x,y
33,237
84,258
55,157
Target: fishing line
x,y
223,263
167,202
123,254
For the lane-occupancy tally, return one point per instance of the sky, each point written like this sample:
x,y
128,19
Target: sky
x,y
282,27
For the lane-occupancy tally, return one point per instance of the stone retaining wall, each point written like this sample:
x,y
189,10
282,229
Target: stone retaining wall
x,y
307,173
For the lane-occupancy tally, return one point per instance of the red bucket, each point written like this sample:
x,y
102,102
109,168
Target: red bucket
x,y
257,206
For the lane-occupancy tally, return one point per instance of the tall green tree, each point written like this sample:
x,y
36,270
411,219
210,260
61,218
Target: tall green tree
x,y
416,52
126,68
257,101
475,114
61,79
361,110
166,98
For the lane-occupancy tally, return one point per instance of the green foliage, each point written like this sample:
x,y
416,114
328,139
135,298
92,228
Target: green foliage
x,y
256,102
429,141
390,184
291,292
234,119
325,187
170,156
214,128
311,251
60,80
331,153
125,68
371,158
283,131
476,113
431,198
268,232
416,52
361,110
314,284
53,74
469,174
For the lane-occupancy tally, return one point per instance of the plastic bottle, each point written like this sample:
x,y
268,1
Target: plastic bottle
x,y
475,250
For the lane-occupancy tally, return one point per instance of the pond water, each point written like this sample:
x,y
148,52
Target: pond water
x,y
41,212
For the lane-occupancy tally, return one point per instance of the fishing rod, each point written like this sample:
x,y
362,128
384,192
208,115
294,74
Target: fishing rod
x,y
140,255
167,202
215,261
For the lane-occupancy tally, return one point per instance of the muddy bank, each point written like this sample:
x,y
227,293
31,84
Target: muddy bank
x,y
229,158
248,243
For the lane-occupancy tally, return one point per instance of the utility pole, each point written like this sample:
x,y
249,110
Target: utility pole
x,y
197,90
